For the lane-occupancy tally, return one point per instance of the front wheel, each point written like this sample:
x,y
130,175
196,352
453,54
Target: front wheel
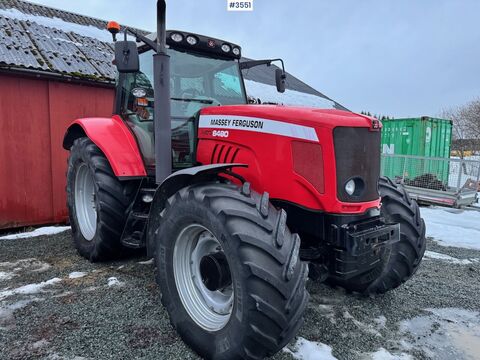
x,y
229,272
401,260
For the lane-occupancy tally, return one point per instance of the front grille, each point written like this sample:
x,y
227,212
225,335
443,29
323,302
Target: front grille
x,y
357,154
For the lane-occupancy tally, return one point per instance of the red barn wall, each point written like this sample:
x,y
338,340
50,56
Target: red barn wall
x,y
34,114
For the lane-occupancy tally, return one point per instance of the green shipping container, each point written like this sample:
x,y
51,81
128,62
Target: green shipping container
x,y
425,136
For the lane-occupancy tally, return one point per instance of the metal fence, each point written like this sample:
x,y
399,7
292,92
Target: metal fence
x,y
438,180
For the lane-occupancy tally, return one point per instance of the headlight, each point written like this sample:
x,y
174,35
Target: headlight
x,y
192,40
226,48
236,51
350,187
176,37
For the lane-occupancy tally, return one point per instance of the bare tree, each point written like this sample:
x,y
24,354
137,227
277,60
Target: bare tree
x,y
466,125
471,112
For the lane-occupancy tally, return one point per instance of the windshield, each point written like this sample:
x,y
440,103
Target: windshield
x,y
260,85
197,81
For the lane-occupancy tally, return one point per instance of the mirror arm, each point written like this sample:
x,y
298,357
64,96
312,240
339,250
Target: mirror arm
x,y
281,61
252,63
139,37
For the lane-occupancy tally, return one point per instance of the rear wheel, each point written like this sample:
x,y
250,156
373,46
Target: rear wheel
x,y
229,272
401,260
97,202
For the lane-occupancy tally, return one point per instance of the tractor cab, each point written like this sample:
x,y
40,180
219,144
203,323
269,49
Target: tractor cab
x,y
204,72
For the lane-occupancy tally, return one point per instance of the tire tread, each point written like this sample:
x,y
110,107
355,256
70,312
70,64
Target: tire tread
x,y
278,304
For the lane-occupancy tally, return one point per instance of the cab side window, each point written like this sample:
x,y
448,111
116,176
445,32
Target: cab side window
x,y
137,106
137,109
134,107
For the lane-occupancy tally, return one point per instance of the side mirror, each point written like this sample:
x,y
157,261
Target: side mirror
x,y
126,56
280,77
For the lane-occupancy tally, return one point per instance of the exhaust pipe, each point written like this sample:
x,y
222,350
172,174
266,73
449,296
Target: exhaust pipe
x,y
161,113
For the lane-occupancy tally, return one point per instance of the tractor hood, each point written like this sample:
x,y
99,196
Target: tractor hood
x,y
222,116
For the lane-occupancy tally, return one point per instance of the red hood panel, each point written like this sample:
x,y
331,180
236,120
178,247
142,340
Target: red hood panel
x,y
328,118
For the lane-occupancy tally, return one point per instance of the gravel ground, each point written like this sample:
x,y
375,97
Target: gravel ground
x,y
113,311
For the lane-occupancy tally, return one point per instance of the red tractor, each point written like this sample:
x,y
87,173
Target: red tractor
x,y
234,201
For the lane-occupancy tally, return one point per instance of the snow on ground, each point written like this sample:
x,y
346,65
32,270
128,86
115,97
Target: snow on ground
x,y
447,333
40,344
113,281
444,334
381,321
328,312
269,93
84,30
310,350
448,258
148,262
7,311
76,274
28,289
367,328
48,230
9,270
452,227
382,354
6,275
29,264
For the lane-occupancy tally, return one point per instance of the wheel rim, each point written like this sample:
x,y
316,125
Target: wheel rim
x,y
85,202
202,277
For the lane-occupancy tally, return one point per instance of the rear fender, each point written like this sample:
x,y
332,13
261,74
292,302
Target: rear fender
x,y
174,183
115,140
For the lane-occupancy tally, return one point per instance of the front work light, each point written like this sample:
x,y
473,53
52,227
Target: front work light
x,y
226,48
192,40
236,51
176,37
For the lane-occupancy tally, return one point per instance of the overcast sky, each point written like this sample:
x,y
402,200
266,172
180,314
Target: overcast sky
x,y
392,57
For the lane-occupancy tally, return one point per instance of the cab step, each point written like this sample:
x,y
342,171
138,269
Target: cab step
x,y
133,235
134,241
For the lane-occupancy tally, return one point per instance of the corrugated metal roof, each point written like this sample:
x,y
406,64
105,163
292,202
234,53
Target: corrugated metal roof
x,y
41,38
41,10
29,40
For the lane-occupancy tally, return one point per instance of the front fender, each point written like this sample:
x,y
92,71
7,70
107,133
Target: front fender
x,y
174,183
115,140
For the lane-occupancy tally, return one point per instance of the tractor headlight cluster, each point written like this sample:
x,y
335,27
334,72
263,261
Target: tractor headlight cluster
x,y
236,51
350,187
355,186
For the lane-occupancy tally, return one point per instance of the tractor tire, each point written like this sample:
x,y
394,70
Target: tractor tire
x,y
256,282
97,202
402,260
